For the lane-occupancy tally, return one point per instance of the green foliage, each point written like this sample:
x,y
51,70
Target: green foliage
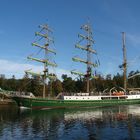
x,y
79,85
53,88
35,86
56,87
68,84
118,80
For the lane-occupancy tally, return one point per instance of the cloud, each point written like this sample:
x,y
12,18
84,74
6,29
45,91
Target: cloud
x,y
10,68
59,72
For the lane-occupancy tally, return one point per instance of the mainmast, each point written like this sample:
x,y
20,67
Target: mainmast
x,y
87,42
43,42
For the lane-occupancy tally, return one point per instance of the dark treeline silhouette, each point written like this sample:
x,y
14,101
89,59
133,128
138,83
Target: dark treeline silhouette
x,y
67,84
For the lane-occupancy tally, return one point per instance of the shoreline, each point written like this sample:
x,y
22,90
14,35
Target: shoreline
x,y
7,102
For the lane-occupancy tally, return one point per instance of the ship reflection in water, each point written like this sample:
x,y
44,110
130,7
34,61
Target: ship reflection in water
x,y
110,123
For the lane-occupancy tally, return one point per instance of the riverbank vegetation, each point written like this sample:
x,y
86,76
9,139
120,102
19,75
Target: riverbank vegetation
x,y
67,84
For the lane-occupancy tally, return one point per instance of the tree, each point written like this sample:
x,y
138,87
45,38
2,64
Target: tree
x,y
2,82
99,83
56,87
35,86
79,85
11,84
64,77
24,83
118,80
68,84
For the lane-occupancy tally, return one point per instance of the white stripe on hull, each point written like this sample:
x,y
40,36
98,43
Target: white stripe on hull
x,y
101,97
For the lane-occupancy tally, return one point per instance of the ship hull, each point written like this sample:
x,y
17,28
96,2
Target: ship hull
x,y
40,103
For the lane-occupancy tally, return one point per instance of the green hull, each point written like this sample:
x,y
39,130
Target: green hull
x,y
39,103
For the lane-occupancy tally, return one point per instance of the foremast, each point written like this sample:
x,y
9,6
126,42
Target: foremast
x,y
85,43
44,35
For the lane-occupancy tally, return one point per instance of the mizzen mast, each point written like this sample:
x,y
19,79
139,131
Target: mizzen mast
x,y
124,62
43,34
85,43
124,65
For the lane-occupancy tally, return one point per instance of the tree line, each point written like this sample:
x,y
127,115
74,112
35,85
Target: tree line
x,y
67,84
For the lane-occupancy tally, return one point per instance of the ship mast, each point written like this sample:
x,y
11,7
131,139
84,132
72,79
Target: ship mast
x,y
86,46
124,65
124,62
43,34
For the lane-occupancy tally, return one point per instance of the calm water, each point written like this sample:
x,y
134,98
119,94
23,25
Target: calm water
x,y
111,123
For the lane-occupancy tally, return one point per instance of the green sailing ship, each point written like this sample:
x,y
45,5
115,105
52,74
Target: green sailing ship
x,y
77,100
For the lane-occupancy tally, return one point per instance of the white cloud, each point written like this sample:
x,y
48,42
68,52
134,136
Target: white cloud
x,y
10,68
59,72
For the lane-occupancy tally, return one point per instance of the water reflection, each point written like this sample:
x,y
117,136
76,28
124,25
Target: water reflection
x,y
114,123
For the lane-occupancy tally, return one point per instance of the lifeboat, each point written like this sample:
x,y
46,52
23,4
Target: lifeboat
x,y
120,93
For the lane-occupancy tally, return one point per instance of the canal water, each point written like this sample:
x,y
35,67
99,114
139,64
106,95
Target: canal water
x,y
109,123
